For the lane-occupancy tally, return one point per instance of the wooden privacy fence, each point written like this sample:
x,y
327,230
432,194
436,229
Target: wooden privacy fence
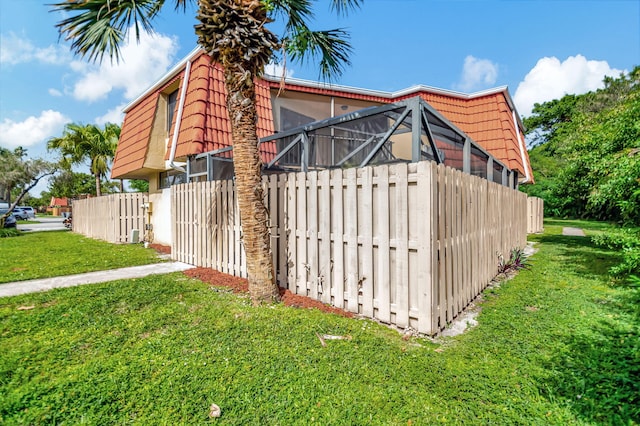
x,y
535,215
206,225
111,217
408,244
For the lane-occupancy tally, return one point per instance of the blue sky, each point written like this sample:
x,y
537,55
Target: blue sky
x,y
540,49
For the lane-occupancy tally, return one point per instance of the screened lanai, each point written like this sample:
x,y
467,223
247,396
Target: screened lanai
x,y
406,131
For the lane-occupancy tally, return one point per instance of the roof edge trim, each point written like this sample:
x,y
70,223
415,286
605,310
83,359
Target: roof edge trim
x,y
176,69
391,95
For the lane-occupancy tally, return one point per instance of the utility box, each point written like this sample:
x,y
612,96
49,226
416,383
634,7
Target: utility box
x,y
134,237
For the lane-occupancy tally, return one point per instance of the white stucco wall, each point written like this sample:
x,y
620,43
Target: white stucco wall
x,y
161,217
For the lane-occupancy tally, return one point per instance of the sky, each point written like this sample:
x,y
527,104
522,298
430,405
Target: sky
x,y
540,49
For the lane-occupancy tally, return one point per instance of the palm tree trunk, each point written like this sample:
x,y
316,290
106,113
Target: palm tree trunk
x,y
98,188
241,101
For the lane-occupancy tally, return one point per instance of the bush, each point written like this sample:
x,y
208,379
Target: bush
x,y
627,241
9,232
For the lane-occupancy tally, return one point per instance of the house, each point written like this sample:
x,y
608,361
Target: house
x,y
58,206
171,125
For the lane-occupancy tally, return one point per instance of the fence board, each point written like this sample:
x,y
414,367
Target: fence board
x,y
292,233
312,235
337,223
324,233
402,246
366,231
383,270
351,236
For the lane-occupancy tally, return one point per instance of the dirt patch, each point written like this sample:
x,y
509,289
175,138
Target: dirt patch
x,y
241,285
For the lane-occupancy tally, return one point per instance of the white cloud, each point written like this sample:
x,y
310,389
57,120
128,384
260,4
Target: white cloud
x,y
477,74
277,70
32,130
115,115
551,79
140,65
15,50
55,92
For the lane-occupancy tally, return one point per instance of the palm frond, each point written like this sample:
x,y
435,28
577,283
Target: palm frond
x,y
342,7
98,27
297,13
331,48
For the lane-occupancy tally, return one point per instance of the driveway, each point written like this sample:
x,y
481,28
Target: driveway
x,y
44,224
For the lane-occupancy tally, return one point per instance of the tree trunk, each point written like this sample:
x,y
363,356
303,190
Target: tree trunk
x,y
241,101
98,188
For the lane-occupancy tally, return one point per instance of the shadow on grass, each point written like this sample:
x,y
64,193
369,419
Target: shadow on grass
x,y
599,375
589,259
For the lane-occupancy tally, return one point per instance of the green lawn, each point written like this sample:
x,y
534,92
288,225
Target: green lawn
x,y
48,254
558,344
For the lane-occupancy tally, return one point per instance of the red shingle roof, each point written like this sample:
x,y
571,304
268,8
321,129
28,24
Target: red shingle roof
x,y
205,122
59,202
486,117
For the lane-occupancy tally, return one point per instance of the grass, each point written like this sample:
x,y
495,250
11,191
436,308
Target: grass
x,y
557,344
48,254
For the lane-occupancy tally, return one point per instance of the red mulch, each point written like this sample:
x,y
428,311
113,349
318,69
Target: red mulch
x,y
161,249
241,285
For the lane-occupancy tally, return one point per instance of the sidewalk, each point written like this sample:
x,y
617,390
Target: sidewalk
x,y
573,232
32,286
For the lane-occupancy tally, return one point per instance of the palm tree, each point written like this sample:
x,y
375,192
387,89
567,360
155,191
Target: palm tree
x,y
79,144
234,34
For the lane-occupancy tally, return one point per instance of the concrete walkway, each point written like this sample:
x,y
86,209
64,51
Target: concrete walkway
x,y
32,286
573,232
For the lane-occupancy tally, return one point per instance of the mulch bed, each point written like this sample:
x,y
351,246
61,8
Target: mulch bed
x,y
161,249
241,285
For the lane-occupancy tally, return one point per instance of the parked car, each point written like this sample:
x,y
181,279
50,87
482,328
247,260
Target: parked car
x,y
10,221
20,214
29,210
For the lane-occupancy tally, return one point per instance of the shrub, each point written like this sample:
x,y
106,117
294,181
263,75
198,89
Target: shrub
x,y
627,241
517,260
9,232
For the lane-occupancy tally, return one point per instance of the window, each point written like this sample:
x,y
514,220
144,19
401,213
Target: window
x,y
171,177
172,99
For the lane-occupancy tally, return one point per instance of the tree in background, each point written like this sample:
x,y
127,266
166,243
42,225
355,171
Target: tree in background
x,y
70,184
18,171
139,185
81,144
587,163
234,33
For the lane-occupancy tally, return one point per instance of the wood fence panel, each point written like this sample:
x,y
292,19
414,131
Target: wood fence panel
x,y
110,217
535,215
